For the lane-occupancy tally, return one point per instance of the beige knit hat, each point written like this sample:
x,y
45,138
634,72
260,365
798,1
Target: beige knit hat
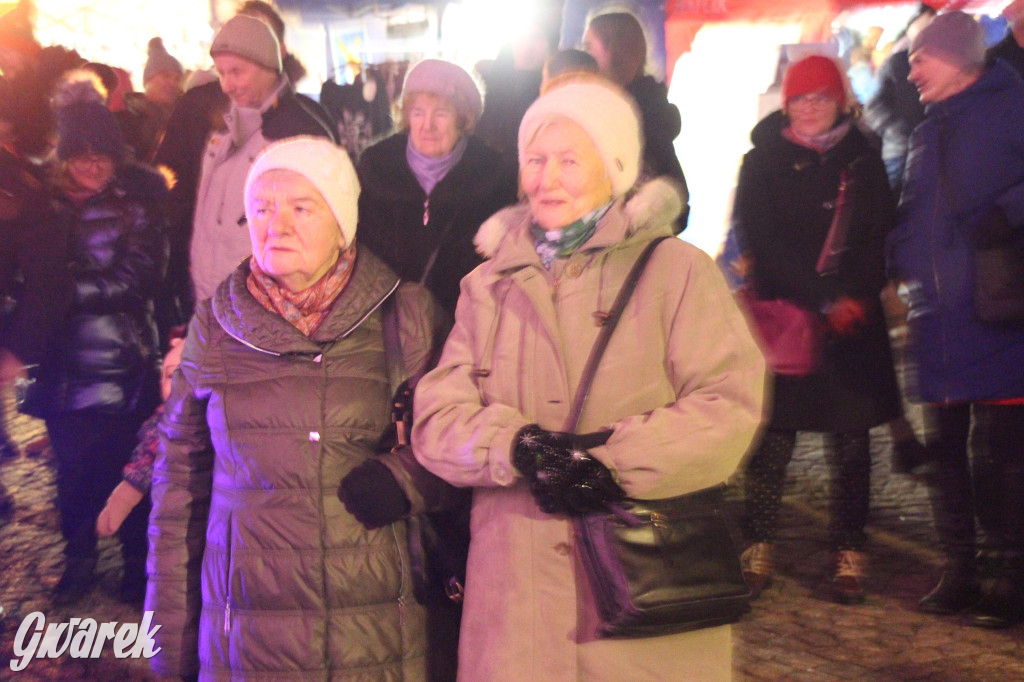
x,y
606,113
324,164
251,39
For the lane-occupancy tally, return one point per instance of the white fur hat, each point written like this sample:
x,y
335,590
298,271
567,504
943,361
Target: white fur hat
x,y
606,113
324,164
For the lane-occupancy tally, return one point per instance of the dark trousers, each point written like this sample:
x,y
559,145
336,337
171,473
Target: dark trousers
x,y
979,457
91,451
849,459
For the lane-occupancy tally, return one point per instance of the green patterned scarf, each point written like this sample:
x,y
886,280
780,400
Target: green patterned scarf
x,y
552,244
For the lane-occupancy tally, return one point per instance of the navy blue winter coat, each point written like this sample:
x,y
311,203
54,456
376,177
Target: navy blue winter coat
x,y
976,137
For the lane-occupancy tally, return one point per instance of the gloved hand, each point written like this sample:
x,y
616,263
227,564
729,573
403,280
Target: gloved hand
x,y
563,477
120,503
372,495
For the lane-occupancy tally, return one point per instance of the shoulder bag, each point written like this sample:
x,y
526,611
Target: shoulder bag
x,y
657,566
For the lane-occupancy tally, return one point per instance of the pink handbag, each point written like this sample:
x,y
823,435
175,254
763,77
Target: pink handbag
x,y
789,336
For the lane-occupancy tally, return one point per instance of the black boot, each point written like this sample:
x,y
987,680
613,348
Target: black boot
x,y
76,580
956,590
1002,596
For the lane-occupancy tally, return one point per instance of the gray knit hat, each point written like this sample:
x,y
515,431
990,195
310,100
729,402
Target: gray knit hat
x,y
955,38
251,39
159,60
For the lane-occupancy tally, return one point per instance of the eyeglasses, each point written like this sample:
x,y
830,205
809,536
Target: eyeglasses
x,y
97,161
814,100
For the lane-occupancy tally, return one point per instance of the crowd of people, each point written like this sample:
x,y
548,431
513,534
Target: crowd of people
x,y
215,303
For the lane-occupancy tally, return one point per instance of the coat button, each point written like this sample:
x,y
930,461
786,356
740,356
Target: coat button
x,y
318,358
562,549
314,436
828,205
573,270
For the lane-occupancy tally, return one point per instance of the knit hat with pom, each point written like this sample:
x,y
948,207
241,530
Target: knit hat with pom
x,y
84,123
606,113
159,61
325,165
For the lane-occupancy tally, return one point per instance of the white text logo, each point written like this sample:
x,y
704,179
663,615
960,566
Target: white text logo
x,y
81,638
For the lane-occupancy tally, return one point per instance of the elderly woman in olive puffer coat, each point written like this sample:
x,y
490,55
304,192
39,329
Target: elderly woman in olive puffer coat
x,y
257,570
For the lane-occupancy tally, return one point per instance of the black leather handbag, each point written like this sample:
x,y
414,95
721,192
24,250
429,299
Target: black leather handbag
x,y
657,567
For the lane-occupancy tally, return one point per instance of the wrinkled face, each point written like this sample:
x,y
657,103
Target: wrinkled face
x,y
812,114
563,175
433,125
935,78
295,237
247,83
91,172
164,88
593,46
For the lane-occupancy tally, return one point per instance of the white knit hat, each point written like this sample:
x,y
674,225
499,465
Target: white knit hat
x,y
607,114
324,164
251,39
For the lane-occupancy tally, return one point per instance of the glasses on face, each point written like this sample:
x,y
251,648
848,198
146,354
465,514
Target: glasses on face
x,y
92,161
814,100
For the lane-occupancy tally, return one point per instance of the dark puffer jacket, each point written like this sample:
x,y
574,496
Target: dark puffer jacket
x,y
966,160
104,356
399,225
785,203
256,569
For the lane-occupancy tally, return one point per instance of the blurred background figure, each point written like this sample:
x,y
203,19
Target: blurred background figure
x,y
1011,48
512,81
790,189
145,114
617,43
895,109
567,62
427,188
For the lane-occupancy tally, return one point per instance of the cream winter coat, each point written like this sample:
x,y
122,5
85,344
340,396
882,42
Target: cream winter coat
x,y
681,384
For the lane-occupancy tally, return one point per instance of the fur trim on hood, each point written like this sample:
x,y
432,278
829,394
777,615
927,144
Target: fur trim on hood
x,y
654,204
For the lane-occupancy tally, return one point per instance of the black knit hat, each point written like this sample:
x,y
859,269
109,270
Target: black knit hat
x,y
88,128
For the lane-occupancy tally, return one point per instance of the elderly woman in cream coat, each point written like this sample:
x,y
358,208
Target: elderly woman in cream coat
x,y
677,396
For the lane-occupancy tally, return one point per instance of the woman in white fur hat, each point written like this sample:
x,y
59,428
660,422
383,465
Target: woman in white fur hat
x,y
260,567
673,407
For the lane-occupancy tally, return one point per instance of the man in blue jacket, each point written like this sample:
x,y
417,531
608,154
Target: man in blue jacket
x,y
965,174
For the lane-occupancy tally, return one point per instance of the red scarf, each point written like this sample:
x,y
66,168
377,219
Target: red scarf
x,y
307,309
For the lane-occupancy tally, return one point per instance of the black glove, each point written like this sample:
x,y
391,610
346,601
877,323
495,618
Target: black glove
x,y
372,495
564,478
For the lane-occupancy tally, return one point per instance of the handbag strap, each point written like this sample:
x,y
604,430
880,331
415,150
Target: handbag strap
x,y
607,327
838,231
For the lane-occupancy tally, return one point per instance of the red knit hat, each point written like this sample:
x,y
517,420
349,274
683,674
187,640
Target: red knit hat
x,y
813,74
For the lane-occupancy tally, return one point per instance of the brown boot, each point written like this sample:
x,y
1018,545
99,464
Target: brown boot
x,y
850,567
758,565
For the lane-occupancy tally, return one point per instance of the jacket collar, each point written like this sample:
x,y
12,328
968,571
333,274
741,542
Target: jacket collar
x,y
505,238
243,318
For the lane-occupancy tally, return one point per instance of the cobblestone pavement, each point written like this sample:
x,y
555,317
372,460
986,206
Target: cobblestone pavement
x,y
793,633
